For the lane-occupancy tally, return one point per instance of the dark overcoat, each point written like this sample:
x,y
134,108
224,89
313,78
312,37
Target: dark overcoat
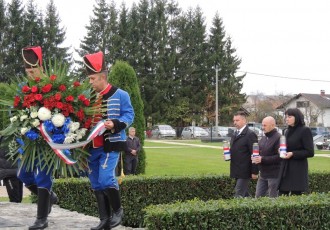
x,y
270,163
294,171
7,169
241,166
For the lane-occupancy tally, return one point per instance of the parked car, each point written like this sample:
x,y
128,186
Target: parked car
x,y
231,131
222,131
162,131
193,132
257,131
279,130
320,131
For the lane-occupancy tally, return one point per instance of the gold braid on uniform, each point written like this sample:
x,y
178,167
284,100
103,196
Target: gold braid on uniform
x,y
122,175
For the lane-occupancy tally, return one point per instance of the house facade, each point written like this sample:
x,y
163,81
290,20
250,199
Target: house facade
x,y
315,107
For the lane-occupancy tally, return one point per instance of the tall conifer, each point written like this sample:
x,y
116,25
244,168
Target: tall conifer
x,y
54,36
123,76
13,40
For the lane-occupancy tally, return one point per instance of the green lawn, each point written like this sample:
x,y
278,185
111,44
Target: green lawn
x,y
176,159
25,199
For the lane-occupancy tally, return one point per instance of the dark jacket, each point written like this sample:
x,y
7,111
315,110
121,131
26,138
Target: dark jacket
x,y
7,169
294,171
132,144
268,149
241,150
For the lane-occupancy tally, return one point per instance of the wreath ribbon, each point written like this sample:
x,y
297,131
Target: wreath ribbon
x,y
58,148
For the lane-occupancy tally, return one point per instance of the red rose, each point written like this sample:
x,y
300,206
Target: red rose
x,y
67,109
37,79
86,102
59,105
53,77
34,89
69,98
46,88
80,114
62,88
38,97
88,123
17,99
25,89
76,83
81,97
28,100
58,96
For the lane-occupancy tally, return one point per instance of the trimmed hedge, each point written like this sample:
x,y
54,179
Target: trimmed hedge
x,y
138,192
295,212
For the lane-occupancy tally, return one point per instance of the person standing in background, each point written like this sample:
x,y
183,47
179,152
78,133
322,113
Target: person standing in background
x,y
269,159
131,154
241,167
8,173
293,174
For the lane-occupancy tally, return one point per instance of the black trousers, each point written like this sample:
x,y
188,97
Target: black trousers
x,y
14,189
131,163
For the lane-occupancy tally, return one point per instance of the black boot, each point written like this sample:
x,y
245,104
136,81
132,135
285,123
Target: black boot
x,y
53,197
104,211
53,200
33,188
118,212
42,209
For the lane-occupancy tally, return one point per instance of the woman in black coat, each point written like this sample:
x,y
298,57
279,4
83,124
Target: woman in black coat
x,y
8,173
294,166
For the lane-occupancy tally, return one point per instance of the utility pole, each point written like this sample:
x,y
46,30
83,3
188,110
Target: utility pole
x,y
216,100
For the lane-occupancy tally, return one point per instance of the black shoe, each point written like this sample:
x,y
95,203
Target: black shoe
x,y
117,218
103,225
39,224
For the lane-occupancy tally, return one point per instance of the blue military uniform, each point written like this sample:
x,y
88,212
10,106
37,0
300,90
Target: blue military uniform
x,y
105,153
38,181
106,148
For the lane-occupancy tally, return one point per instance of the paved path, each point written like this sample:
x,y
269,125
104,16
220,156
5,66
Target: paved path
x,y
181,143
14,216
177,142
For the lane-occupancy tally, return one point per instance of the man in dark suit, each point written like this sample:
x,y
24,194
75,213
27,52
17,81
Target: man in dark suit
x,y
241,167
131,153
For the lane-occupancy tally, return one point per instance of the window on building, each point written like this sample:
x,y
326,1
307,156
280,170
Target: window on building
x,y
302,104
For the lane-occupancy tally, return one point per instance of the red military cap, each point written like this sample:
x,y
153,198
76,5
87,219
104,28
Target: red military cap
x,y
94,63
32,56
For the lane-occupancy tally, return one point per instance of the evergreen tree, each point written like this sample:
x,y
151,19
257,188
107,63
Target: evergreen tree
x,y
54,37
121,51
3,27
96,38
143,67
222,55
132,37
191,66
123,76
33,25
173,58
112,38
232,85
13,40
158,37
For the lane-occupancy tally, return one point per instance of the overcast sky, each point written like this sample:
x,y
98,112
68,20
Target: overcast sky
x,y
280,42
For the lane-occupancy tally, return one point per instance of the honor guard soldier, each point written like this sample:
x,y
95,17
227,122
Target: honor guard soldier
x,y
105,149
38,181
